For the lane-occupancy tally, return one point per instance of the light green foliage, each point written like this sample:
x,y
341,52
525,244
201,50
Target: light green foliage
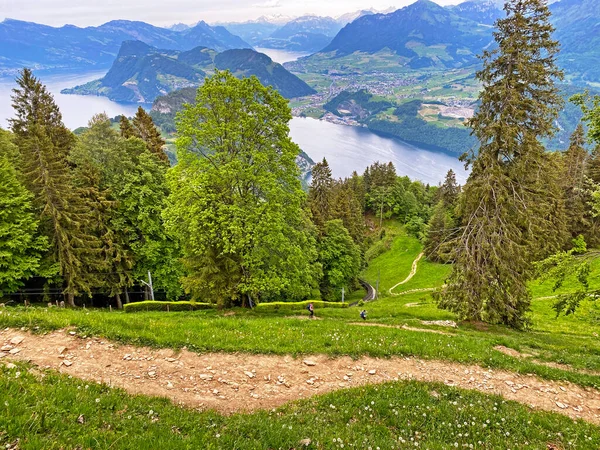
x,y
575,263
236,202
591,114
21,248
511,207
340,258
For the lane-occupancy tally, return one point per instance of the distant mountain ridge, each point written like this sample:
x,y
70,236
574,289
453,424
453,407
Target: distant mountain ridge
x,y
424,33
306,33
27,44
142,72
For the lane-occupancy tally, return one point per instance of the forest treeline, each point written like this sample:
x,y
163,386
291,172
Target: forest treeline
x,y
93,213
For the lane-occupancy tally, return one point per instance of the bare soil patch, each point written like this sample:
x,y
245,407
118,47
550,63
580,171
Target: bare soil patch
x,y
241,382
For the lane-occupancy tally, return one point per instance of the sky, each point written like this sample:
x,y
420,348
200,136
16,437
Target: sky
x,y
168,12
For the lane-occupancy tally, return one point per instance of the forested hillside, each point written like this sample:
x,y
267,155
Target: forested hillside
x,y
141,73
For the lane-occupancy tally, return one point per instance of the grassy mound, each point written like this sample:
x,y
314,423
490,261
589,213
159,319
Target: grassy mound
x,y
55,411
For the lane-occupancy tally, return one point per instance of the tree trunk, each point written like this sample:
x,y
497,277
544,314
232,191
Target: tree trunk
x,y
126,295
146,297
71,299
119,303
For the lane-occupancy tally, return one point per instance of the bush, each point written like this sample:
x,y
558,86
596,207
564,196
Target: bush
x,y
290,306
152,305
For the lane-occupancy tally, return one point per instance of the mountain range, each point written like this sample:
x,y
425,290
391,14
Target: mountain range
x,y
142,72
41,47
424,34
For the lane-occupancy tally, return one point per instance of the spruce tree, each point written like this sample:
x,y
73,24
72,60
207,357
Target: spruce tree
x,y
574,163
144,128
21,247
44,144
320,194
511,205
125,128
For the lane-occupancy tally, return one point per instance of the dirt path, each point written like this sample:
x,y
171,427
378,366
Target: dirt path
x,y
412,273
235,382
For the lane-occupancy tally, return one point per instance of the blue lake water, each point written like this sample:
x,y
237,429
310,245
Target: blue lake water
x,y
346,148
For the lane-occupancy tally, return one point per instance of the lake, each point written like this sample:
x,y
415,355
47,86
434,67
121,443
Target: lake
x,y
281,56
346,148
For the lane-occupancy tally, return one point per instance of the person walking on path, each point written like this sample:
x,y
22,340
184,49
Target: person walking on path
x,y
363,314
311,310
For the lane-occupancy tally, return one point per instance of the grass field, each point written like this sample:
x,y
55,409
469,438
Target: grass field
x,y
50,411
570,344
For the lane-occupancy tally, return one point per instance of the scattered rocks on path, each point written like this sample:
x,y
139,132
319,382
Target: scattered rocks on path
x,y
191,379
17,340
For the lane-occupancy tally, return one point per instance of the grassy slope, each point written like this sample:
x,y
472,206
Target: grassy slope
x,y
569,340
42,416
54,411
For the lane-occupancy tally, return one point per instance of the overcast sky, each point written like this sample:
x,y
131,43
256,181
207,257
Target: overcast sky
x,y
167,12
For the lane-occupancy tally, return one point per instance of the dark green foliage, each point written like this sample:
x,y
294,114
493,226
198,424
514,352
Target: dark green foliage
x,y
511,207
143,127
320,194
21,248
442,226
415,130
574,163
246,63
65,216
133,180
166,306
362,99
340,258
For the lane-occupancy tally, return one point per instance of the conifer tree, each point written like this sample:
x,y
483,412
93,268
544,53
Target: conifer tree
x,y
347,207
320,194
44,144
126,128
144,128
575,161
442,224
21,247
511,207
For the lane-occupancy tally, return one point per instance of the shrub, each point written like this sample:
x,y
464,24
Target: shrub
x,y
152,305
290,306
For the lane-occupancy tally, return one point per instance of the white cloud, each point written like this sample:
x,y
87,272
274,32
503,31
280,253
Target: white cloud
x,y
268,4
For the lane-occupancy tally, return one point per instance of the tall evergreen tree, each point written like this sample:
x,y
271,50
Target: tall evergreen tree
x,y
144,128
21,247
125,128
512,209
574,162
130,195
44,144
320,193
347,207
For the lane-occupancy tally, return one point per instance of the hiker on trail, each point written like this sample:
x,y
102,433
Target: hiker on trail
x,y
363,314
311,310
